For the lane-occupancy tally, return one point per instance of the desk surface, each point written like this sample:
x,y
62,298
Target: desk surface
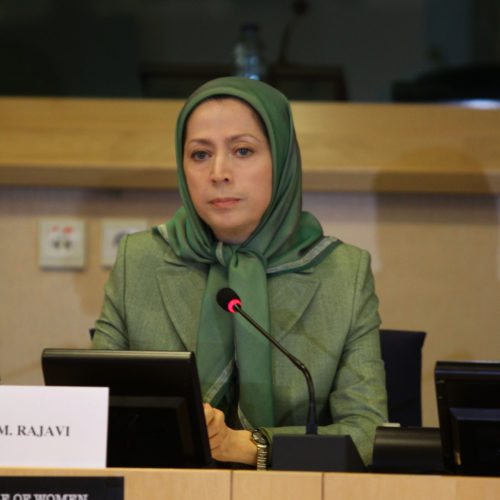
x,y
153,484
119,143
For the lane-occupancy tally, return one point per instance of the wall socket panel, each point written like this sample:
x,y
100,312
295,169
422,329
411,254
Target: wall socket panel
x,y
112,231
62,243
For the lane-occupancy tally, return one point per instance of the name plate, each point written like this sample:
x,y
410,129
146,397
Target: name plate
x,y
61,488
53,426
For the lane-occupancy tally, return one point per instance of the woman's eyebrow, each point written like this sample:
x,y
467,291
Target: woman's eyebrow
x,y
203,142
244,135
232,138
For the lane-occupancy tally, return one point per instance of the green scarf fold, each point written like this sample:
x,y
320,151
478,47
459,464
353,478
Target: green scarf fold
x,y
285,240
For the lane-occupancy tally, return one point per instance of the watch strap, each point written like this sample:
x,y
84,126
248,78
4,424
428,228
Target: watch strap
x,y
262,444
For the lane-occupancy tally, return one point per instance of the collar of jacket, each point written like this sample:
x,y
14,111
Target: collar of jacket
x,y
290,294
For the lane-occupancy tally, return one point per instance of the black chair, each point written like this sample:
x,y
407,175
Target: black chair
x,y
402,355
411,448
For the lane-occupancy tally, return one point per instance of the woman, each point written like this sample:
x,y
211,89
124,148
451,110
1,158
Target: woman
x,y
241,225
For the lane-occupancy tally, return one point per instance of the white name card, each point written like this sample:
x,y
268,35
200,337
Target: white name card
x,y
53,426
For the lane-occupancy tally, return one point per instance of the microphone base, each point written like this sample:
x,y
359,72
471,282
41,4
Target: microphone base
x,y
311,452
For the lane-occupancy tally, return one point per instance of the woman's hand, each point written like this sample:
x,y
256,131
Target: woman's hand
x,y
226,444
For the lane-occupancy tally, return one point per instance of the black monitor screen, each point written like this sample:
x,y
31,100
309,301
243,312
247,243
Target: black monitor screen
x,y
155,408
468,398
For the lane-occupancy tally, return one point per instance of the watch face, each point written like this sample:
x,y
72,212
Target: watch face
x,y
258,437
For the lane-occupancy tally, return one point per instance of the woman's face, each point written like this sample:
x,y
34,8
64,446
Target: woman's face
x,y
228,167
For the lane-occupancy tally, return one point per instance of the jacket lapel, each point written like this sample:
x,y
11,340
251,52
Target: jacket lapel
x,y
182,289
290,295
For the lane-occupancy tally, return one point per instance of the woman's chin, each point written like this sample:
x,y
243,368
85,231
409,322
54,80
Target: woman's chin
x,y
231,235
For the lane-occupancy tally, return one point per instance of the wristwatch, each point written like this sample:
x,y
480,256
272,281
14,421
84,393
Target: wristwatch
x,y
262,448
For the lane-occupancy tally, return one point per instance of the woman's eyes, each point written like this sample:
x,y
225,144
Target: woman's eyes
x,y
243,151
199,155
203,155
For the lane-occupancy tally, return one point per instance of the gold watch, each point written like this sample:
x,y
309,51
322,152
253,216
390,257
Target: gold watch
x,y
262,448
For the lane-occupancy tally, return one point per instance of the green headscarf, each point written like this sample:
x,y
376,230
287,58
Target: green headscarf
x,y
286,239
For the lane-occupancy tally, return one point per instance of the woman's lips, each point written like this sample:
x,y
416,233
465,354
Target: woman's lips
x,y
224,202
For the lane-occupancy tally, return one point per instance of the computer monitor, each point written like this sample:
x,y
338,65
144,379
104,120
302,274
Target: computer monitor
x,y
155,410
468,400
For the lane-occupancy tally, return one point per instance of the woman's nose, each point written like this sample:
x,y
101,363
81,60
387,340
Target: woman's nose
x,y
221,170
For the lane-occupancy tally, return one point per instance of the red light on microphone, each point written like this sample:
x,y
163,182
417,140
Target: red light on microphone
x,y
232,303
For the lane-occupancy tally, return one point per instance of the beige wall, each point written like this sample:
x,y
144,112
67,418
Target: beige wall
x,y
436,261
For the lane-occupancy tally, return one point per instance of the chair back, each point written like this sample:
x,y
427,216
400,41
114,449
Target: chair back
x,y
402,355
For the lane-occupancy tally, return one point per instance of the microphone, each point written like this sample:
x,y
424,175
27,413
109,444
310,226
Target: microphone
x,y
228,299
309,451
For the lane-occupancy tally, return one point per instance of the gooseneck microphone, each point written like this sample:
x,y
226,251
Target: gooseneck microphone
x,y
228,299
310,451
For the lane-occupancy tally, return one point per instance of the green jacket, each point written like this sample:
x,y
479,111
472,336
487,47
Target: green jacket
x,y
326,316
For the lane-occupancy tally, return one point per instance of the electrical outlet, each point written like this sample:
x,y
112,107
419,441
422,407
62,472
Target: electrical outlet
x,y
112,231
61,243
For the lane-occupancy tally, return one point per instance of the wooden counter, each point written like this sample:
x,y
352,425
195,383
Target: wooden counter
x,y
118,143
165,484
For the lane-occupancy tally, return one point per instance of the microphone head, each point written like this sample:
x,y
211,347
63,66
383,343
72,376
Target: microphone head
x,y
227,298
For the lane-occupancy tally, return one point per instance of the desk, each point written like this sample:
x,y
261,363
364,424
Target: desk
x,y
178,484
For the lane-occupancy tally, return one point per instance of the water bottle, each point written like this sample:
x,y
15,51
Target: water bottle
x,y
248,60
